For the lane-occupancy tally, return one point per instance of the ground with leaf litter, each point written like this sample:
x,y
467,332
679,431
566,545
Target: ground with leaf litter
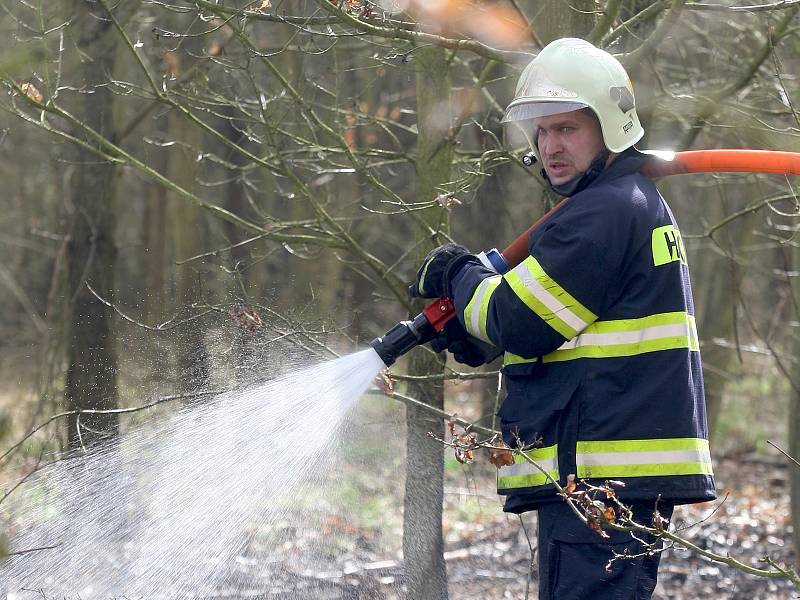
x,y
752,522
488,553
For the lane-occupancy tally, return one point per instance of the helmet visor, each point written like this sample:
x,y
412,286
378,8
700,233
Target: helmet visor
x,y
531,110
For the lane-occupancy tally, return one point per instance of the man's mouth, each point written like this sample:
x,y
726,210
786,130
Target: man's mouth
x,y
557,168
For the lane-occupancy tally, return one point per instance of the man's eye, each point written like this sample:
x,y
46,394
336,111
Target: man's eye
x,y
567,129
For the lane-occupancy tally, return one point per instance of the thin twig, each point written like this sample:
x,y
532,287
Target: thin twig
x,y
30,550
25,478
433,410
782,451
781,4
166,326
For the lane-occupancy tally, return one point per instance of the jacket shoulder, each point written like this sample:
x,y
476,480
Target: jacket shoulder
x,y
613,211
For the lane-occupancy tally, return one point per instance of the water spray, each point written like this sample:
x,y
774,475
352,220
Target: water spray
x,y
406,335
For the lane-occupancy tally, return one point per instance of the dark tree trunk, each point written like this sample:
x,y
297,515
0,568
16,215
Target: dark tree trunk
x,y
794,424
425,569
91,381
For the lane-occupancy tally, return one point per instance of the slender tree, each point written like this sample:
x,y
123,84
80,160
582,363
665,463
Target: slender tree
x,y
426,575
91,379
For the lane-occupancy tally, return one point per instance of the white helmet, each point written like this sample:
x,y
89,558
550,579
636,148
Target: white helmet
x,y
570,74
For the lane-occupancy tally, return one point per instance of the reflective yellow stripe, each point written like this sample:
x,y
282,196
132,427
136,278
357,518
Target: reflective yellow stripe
x,y
421,278
548,299
476,311
625,337
667,246
643,458
523,474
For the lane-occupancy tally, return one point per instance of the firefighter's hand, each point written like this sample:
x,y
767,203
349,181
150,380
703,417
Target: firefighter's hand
x,y
433,276
464,348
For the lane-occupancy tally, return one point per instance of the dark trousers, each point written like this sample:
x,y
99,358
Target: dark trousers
x,y
573,558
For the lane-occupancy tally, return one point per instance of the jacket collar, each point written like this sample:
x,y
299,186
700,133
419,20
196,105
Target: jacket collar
x,y
625,163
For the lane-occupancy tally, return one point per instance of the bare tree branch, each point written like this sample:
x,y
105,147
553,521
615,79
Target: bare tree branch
x,y
782,451
663,29
780,5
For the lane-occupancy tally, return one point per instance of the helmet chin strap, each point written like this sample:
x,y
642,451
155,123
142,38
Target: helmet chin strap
x,y
585,179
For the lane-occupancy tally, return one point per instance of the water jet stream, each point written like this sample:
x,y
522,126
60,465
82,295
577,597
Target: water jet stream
x,y
165,510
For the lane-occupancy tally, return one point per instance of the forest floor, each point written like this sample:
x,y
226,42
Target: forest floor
x,y
752,522
488,557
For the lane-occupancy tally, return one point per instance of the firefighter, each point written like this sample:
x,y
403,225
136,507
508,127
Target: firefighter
x,y
601,354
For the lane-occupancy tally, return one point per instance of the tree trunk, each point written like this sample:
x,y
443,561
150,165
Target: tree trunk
x,y
423,545
794,421
794,470
91,381
155,237
190,239
717,295
556,19
189,228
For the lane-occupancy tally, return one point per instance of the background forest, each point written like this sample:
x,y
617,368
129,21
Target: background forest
x,y
201,195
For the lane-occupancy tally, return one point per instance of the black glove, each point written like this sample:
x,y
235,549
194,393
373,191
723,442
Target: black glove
x,y
466,349
433,277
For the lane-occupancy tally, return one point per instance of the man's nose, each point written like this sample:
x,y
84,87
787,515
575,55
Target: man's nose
x,y
552,145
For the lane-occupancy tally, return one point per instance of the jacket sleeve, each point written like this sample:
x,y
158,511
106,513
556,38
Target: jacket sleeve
x,y
554,294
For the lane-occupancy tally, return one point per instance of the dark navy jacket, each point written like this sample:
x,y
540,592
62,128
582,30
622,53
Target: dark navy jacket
x,y
602,360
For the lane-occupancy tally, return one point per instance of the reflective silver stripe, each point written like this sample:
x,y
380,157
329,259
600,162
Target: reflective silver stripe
x,y
629,337
590,459
523,474
475,327
643,458
625,337
526,468
544,296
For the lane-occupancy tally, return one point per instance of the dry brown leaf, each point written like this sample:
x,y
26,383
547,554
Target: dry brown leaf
x,y
387,383
464,456
609,514
594,525
265,4
571,485
464,445
447,200
334,524
501,455
31,92
246,317
467,439
171,62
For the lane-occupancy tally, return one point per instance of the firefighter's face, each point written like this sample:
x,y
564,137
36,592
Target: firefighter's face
x,y
568,143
